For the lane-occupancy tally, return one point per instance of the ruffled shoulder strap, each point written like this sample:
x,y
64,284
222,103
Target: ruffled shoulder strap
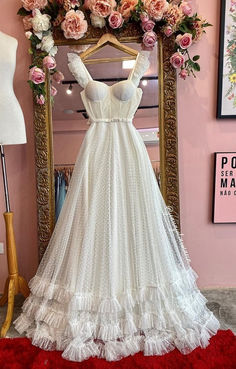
x,y
78,69
141,66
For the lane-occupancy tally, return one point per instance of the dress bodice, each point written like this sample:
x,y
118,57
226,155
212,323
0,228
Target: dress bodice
x,y
104,103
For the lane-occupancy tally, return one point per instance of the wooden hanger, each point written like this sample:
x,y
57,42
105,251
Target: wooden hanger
x,y
108,39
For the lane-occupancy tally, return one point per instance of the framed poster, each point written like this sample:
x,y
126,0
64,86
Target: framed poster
x,y
224,197
226,105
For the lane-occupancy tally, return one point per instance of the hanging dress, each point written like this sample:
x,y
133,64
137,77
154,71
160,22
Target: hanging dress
x,y
115,278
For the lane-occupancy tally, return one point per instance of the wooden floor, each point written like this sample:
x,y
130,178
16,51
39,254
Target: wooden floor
x,y
221,301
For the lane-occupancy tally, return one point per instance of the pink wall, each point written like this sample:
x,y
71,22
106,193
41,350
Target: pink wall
x,y
212,248
20,158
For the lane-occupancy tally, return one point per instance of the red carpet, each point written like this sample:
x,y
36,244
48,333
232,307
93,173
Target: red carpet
x,y
18,353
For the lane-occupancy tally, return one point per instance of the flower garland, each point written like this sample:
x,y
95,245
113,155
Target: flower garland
x,y
40,17
231,54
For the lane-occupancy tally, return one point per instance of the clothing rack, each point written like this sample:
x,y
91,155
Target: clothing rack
x,y
64,169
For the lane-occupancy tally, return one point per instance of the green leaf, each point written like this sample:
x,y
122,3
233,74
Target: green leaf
x,y
207,25
190,63
183,27
196,57
23,12
196,67
31,84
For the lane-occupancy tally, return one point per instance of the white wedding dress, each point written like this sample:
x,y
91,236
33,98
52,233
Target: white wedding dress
x,y
115,278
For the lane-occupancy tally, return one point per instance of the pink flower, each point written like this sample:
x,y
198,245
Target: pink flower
x,y
34,4
101,8
156,8
74,25
144,17
183,74
168,31
126,7
36,75
49,62
177,60
149,40
115,20
198,26
184,41
27,22
148,25
53,91
173,15
40,100
186,8
58,77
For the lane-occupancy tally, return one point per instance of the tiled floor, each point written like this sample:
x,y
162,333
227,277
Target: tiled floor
x,y
221,301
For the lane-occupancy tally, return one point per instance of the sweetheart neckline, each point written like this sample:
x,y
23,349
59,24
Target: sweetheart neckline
x,y
108,87
129,79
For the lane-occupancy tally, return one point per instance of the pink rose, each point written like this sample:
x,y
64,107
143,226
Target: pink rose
x,y
49,62
149,40
34,4
74,25
40,100
144,17
58,77
186,8
183,74
101,8
177,60
168,31
53,91
115,20
36,75
27,22
126,7
184,41
148,25
156,8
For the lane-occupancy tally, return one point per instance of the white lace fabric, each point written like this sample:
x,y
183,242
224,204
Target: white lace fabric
x,y
115,278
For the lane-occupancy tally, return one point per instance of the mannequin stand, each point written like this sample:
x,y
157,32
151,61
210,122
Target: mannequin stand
x,y
15,283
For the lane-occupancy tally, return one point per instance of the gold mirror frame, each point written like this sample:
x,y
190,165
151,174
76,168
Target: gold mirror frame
x,y
167,126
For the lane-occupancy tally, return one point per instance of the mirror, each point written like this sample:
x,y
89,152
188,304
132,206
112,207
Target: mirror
x,y
70,120
66,122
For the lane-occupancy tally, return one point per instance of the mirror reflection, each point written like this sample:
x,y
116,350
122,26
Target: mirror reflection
x,y
70,120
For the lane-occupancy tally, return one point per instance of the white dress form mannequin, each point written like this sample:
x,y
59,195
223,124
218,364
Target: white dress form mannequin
x,y
12,125
12,131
